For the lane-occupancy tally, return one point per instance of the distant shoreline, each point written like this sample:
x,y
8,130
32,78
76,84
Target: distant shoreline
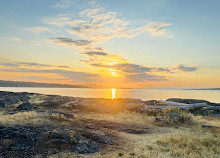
x,y
37,85
216,89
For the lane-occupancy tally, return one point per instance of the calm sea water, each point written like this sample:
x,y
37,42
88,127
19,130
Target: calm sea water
x,y
144,94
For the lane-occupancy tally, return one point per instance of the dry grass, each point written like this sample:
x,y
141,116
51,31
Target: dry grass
x,y
31,118
176,117
119,117
191,144
215,121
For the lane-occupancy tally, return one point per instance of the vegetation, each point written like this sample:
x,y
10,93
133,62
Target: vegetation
x,y
134,129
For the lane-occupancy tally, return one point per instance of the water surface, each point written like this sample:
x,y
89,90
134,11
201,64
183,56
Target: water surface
x,y
144,94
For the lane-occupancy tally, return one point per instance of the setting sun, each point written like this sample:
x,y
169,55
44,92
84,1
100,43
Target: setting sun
x,y
113,73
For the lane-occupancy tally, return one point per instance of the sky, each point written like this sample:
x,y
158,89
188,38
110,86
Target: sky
x,y
111,43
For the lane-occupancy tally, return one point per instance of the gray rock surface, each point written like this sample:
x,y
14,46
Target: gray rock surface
x,y
25,107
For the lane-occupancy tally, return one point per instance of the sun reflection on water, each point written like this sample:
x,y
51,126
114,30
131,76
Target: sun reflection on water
x,y
113,92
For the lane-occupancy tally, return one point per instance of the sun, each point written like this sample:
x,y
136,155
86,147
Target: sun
x,y
113,73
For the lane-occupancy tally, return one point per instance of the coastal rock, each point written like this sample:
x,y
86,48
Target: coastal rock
x,y
174,116
151,102
210,126
2,104
85,146
25,107
66,115
187,101
27,141
160,119
214,108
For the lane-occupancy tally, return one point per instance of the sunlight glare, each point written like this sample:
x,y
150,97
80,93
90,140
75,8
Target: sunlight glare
x,y
113,73
113,92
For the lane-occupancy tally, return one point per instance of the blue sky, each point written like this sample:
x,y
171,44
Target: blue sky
x,y
150,43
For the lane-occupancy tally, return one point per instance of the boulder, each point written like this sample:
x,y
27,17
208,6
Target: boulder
x,y
174,116
25,107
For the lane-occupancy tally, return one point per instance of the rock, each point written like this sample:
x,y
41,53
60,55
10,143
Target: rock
x,y
151,102
2,104
22,145
25,107
68,116
214,108
98,136
85,146
187,101
192,101
160,119
210,126
174,116
216,115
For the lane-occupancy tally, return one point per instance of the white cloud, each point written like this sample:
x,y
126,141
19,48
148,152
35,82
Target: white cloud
x,y
100,26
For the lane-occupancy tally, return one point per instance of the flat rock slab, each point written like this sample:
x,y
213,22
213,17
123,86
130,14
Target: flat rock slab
x,y
27,141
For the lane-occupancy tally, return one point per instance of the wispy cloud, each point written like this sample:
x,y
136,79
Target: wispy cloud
x,y
39,29
28,64
143,77
64,4
16,39
81,44
101,26
182,67
157,29
132,68
92,53
71,75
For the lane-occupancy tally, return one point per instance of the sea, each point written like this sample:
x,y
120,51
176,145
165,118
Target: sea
x,y
143,94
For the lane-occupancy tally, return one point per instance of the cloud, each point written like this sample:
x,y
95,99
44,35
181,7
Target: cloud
x,y
39,29
72,75
60,21
157,28
71,42
92,53
16,39
101,26
63,4
143,77
181,67
28,64
132,68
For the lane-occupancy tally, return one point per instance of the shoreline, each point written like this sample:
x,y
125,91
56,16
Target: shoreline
x,y
38,125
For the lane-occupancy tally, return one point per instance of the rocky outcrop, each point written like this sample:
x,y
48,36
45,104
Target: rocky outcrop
x,y
174,118
192,101
27,141
2,104
25,107
210,126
